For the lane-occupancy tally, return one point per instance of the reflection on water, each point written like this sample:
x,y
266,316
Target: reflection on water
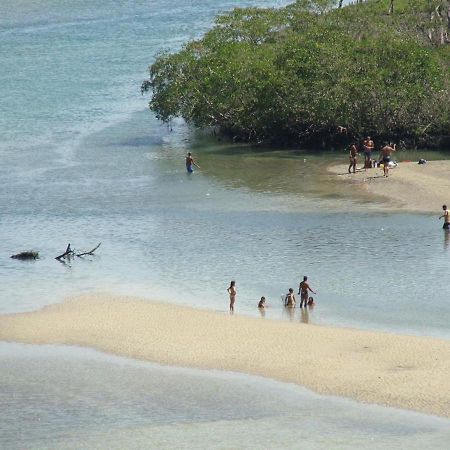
x,y
68,398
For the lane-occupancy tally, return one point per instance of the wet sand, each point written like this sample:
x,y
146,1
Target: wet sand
x,y
387,369
409,187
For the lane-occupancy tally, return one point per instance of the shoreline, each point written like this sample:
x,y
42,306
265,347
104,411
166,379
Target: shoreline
x,y
400,371
410,187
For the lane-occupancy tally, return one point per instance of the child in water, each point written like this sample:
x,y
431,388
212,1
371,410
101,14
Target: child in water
x,y
262,303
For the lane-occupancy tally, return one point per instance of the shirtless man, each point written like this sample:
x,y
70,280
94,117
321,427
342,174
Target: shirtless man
x,y
289,300
190,163
446,217
385,157
369,146
303,289
353,154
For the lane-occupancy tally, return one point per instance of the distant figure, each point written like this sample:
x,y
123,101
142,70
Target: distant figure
x,y
446,218
385,156
311,301
262,303
190,163
353,154
303,289
368,145
232,291
289,300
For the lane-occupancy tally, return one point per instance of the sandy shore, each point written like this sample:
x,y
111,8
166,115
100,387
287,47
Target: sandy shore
x,y
410,186
401,371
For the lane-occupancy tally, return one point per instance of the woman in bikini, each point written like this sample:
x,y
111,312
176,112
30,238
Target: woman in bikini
x,y
232,291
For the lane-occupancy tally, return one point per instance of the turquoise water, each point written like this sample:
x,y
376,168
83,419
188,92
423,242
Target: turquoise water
x,y
84,161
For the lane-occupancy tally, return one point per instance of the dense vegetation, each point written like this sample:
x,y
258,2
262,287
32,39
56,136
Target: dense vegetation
x,y
300,73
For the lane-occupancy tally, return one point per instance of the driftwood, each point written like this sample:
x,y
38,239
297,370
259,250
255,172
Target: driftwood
x,y
90,252
70,253
26,255
67,254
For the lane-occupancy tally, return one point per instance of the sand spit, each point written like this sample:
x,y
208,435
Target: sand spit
x,y
410,186
401,371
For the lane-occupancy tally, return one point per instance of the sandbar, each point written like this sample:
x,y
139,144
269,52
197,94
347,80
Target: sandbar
x,y
400,371
410,186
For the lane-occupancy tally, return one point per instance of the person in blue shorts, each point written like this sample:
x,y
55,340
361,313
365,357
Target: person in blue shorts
x,y
190,163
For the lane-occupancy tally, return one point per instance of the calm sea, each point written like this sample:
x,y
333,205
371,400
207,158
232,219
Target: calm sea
x,y
84,161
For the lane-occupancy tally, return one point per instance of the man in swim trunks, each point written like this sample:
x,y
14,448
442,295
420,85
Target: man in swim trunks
x,y
385,156
446,217
353,154
303,289
368,145
190,163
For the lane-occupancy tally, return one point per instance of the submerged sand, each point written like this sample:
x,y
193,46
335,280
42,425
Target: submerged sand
x,y
401,371
410,186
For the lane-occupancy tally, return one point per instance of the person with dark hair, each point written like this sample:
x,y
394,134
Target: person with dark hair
x,y
190,163
353,154
385,156
289,300
232,292
262,303
303,289
368,146
446,218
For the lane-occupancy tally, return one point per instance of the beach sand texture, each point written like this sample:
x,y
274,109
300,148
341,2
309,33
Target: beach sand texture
x,y
409,187
399,371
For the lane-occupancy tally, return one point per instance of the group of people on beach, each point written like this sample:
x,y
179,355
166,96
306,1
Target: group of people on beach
x,y
368,147
289,299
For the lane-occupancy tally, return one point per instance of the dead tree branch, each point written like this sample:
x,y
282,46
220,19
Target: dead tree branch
x,y
91,252
69,252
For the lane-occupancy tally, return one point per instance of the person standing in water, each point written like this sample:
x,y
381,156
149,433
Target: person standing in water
x,y
303,289
353,154
190,163
232,291
289,300
385,156
446,218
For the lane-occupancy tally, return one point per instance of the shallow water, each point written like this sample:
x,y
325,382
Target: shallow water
x,y
69,398
83,161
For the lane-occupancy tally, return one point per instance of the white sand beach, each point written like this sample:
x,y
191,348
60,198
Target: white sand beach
x,y
400,371
409,187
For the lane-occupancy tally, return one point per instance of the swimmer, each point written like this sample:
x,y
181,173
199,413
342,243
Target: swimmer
x,y
311,301
190,163
262,303
289,300
446,218
232,291
303,289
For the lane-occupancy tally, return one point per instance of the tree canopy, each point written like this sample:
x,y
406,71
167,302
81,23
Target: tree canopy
x,y
299,73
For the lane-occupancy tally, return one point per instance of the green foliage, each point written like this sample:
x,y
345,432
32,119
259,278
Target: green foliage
x,y
300,72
